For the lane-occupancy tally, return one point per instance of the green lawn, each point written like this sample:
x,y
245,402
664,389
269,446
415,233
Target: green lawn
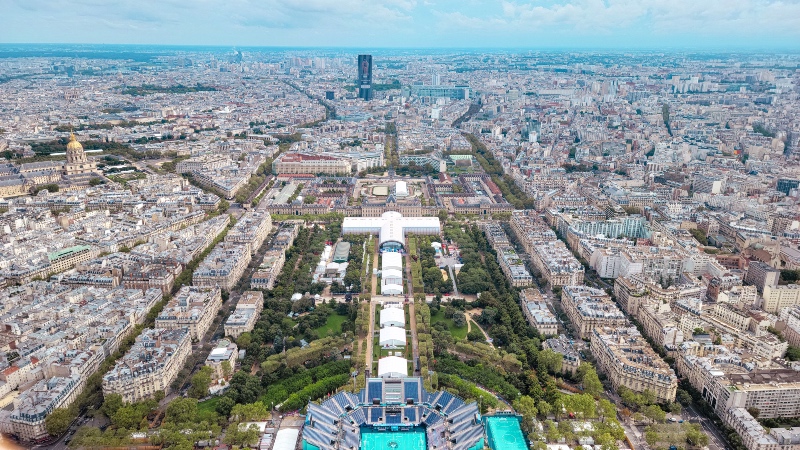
x,y
208,407
457,333
333,324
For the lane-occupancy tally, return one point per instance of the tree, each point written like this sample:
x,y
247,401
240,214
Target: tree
x,y
128,417
58,421
111,403
684,397
655,413
526,406
200,383
551,360
181,411
695,435
651,437
544,408
590,380
442,215
675,408
475,335
226,369
793,353
459,319
606,409
244,340
249,412
235,435
224,406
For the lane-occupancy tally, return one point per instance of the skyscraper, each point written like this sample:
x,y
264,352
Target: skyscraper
x,y
365,77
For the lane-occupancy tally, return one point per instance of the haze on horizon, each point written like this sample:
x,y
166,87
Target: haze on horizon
x,y
613,24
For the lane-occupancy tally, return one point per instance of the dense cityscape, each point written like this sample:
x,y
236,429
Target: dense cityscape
x,y
319,249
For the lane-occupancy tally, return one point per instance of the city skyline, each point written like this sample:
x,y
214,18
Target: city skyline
x,y
611,24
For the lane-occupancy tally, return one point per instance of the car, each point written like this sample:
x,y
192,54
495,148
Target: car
x,y
672,419
680,421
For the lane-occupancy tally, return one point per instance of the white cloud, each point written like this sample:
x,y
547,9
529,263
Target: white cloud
x,y
701,17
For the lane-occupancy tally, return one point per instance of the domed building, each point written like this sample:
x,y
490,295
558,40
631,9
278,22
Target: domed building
x,y
77,163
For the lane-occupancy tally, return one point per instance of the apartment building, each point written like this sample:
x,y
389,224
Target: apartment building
x,y
150,365
778,297
530,229
564,347
661,324
246,314
762,275
223,266
513,267
628,360
791,317
193,308
267,272
224,351
251,229
159,274
589,308
658,263
33,406
537,312
773,392
495,234
557,264
299,163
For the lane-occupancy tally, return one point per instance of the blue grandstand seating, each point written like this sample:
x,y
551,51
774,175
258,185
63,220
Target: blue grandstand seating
x,y
454,405
443,399
374,390
432,419
375,414
394,419
358,416
411,413
411,391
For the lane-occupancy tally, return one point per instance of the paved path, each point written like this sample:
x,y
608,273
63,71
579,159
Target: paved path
x,y
370,336
470,320
412,320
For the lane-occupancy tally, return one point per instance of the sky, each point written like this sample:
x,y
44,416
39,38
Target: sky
x,y
365,24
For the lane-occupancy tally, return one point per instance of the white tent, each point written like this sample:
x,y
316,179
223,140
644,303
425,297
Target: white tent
x,y
393,317
286,439
391,227
391,260
392,367
392,337
401,189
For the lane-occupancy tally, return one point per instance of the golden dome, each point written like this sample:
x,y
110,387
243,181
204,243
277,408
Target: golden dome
x,y
73,143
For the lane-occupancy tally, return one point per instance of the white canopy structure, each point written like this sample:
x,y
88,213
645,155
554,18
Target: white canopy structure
x,y
391,260
393,317
391,273
401,189
392,337
392,367
391,227
286,439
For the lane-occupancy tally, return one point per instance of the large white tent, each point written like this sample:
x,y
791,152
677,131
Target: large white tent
x,y
393,317
392,337
392,367
391,227
391,260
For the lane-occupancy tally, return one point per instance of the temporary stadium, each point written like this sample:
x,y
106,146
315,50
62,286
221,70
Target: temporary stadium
x,y
393,414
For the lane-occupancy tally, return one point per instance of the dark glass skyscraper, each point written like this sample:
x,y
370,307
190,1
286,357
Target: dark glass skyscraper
x,y
365,77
